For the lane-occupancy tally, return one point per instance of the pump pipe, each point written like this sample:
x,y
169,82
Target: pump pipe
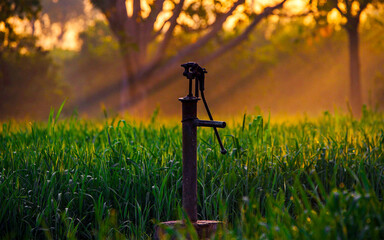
x,y
190,122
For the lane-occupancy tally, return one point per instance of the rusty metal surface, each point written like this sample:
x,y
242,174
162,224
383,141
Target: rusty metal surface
x,y
190,122
189,114
204,123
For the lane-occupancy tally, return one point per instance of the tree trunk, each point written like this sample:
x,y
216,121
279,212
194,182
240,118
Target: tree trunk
x,y
124,94
134,34
354,68
128,79
33,26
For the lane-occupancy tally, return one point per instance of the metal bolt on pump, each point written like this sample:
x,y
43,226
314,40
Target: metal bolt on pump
x,y
190,122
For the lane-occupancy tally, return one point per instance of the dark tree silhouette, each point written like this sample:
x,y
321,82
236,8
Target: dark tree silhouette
x,y
9,39
136,34
15,9
28,76
351,11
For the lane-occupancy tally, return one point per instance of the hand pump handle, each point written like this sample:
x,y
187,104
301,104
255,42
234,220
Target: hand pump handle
x,y
194,71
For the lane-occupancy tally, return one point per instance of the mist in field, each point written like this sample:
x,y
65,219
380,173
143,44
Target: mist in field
x,y
92,146
290,63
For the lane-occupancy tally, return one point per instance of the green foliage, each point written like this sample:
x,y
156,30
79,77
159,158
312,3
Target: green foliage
x,y
320,178
29,83
98,43
15,9
349,9
61,11
337,215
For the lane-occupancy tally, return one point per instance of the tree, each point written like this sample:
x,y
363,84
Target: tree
x,y
60,13
27,73
9,39
15,9
137,34
351,11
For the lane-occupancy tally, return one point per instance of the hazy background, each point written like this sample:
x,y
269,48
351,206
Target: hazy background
x,y
288,65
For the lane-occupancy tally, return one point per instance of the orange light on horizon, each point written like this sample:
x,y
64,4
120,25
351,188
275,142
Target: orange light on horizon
x,y
70,39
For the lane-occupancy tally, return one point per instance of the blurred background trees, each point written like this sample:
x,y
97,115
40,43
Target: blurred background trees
x,y
290,63
28,75
350,12
136,33
61,12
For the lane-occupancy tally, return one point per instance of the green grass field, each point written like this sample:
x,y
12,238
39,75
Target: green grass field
x,y
317,178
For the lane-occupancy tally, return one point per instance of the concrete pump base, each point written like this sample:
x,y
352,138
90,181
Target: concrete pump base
x,y
205,228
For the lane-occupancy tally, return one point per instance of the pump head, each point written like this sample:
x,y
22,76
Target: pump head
x,y
192,71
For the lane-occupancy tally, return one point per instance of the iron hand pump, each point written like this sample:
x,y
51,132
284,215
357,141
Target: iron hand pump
x,y
192,71
204,228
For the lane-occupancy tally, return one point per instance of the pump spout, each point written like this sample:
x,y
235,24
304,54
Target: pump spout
x,y
204,123
214,125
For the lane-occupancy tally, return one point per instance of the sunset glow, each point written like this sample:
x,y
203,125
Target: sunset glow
x,y
70,39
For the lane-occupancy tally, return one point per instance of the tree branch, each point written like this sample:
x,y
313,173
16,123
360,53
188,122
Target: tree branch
x,y
136,19
136,12
335,2
341,12
116,14
244,35
188,29
363,6
156,8
157,33
163,73
168,34
349,8
216,27
295,15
